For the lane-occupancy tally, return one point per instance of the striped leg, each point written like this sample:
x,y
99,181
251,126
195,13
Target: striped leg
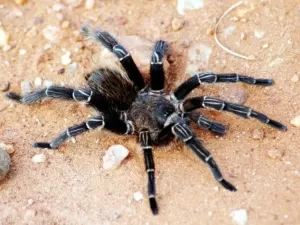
x,y
113,124
65,93
240,110
124,57
185,88
156,67
185,134
207,124
144,139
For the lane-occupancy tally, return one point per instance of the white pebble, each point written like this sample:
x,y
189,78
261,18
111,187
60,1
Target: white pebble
x,y
47,83
6,48
38,82
50,33
22,52
26,87
57,7
89,4
114,156
4,37
8,148
265,45
198,57
38,158
65,59
47,46
295,121
239,216
138,196
259,34
30,202
295,78
183,5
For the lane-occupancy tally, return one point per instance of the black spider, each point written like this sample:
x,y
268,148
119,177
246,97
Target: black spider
x,y
126,105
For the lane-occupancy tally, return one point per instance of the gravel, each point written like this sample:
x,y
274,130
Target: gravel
x,y
4,163
4,86
114,156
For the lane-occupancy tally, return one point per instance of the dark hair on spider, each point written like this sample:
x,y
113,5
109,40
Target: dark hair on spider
x,y
126,105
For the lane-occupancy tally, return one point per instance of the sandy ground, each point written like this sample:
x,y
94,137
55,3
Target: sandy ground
x,y
72,188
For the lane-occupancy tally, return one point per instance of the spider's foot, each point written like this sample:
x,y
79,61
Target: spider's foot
x,y
42,145
153,206
277,125
14,96
264,82
228,185
218,129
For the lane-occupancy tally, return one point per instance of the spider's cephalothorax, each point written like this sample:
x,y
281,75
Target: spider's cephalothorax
x,y
125,105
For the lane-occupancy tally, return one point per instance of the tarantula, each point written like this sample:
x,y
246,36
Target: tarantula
x,y
126,105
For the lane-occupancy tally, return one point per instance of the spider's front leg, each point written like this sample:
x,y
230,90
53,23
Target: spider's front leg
x,y
113,124
186,87
185,134
240,110
144,139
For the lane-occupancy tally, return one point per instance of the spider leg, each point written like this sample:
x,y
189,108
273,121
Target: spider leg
x,y
113,124
144,139
186,87
218,104
185,134
65,93
207,124
124,57
157,73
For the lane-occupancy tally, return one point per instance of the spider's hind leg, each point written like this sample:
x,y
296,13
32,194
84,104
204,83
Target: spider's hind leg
x,y
123,55
71,132
52,92
156,67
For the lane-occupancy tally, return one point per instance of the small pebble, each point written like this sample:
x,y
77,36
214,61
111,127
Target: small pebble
x,y
259,34
258,134
89,4
295,78
65,24
4,163
6,48
295,121
51,33
243,36
8,148
4,86
4,37
138,196
38,82
186,43
72,67
26,87
265,46
177,24
114,156
61,71
47,83
20,2
38,158
65,59
22,52
60,16
57,7
239,216
275,153
30,202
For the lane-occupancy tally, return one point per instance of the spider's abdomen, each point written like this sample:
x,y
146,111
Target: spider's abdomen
x,y
117,89
150,112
